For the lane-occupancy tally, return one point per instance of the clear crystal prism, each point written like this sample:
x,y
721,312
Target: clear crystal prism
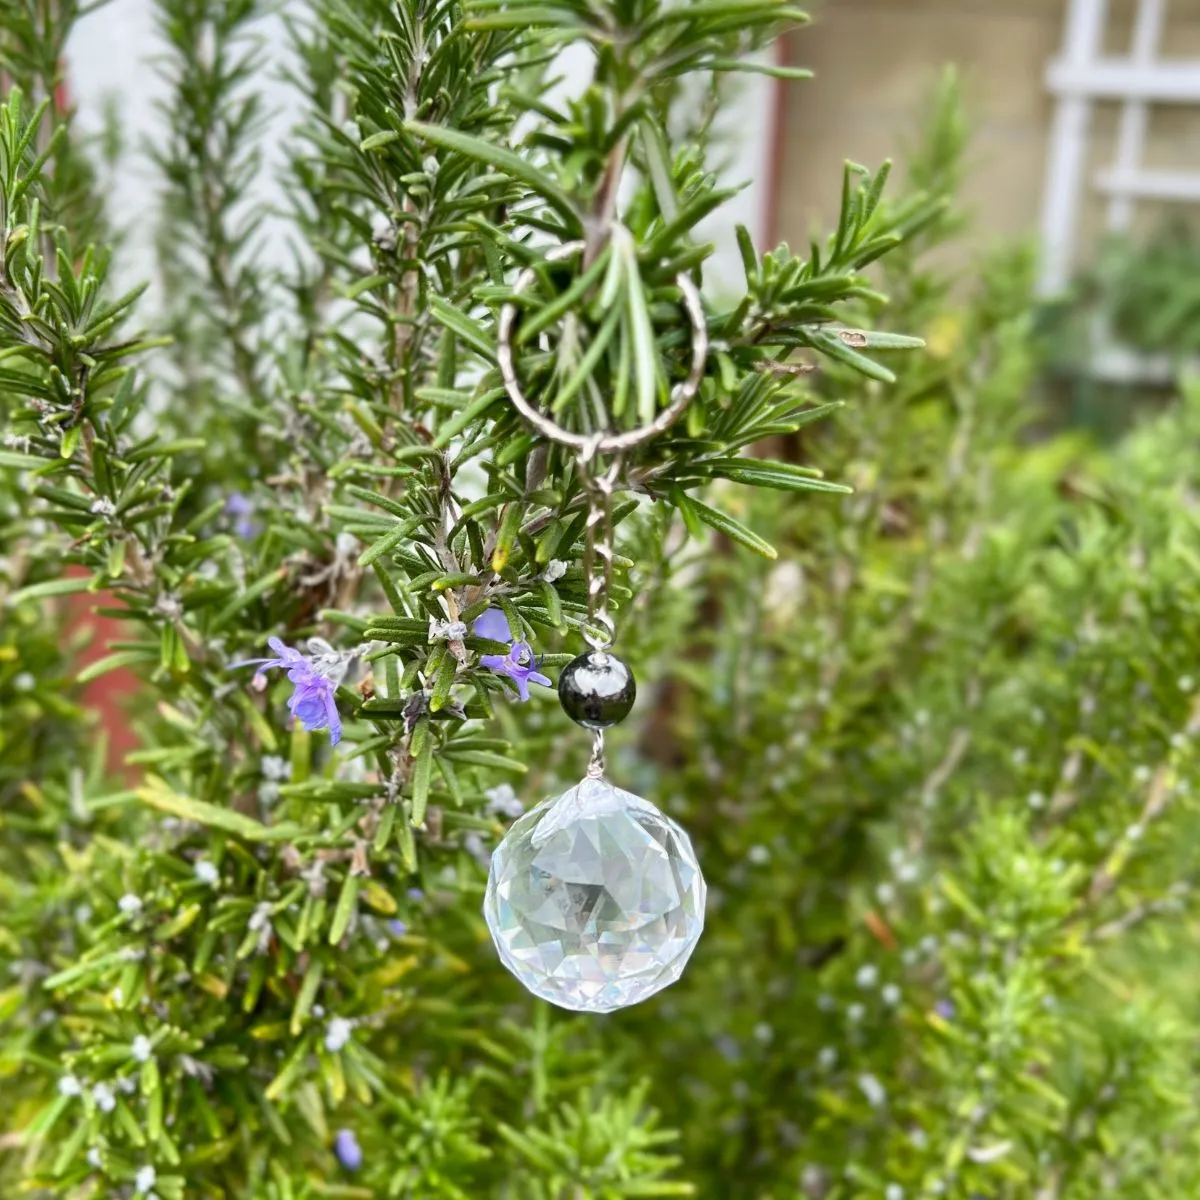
x,y
595,899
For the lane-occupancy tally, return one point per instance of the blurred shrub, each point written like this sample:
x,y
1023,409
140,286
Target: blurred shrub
x,y
941,758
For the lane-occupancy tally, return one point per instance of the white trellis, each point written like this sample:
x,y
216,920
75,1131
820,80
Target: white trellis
x,y
1081,76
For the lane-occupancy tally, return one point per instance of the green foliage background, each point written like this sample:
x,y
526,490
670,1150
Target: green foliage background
x,y
934,739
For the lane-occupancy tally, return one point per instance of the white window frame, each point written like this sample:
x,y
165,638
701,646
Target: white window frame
x,y
1079,77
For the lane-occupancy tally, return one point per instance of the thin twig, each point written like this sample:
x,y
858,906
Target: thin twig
x,y
940,775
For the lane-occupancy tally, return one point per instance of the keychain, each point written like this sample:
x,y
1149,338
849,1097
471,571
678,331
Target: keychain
x,y
595,900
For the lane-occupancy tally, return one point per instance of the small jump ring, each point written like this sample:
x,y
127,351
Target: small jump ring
x,y
682,394
599,631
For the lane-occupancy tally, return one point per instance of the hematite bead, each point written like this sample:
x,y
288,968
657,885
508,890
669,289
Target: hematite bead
x,y
596,690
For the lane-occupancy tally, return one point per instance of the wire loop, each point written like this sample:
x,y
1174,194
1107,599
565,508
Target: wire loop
x,y
595,767
599,631
592,444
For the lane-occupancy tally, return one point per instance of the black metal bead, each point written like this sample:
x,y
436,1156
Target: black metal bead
x,y
596,690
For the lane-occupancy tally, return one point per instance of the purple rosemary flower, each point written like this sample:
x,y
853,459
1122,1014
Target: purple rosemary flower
x,y
519,664
945,1009
240,507
315,677
349,1152
493,625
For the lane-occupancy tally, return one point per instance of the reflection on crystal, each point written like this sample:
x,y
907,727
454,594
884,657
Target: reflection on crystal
x,y
595,899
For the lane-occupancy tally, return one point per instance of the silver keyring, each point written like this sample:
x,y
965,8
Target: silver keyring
x,y
682,394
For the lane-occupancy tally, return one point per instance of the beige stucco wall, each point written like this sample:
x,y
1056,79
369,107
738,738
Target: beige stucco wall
x,y
876,62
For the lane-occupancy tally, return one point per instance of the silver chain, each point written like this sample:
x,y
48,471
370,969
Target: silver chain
x,y
598,629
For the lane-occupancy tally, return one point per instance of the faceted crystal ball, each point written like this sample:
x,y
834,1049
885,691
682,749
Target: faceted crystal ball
x,y
595,899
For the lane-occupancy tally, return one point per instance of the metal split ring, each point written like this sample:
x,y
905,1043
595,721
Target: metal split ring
x,y
591,444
